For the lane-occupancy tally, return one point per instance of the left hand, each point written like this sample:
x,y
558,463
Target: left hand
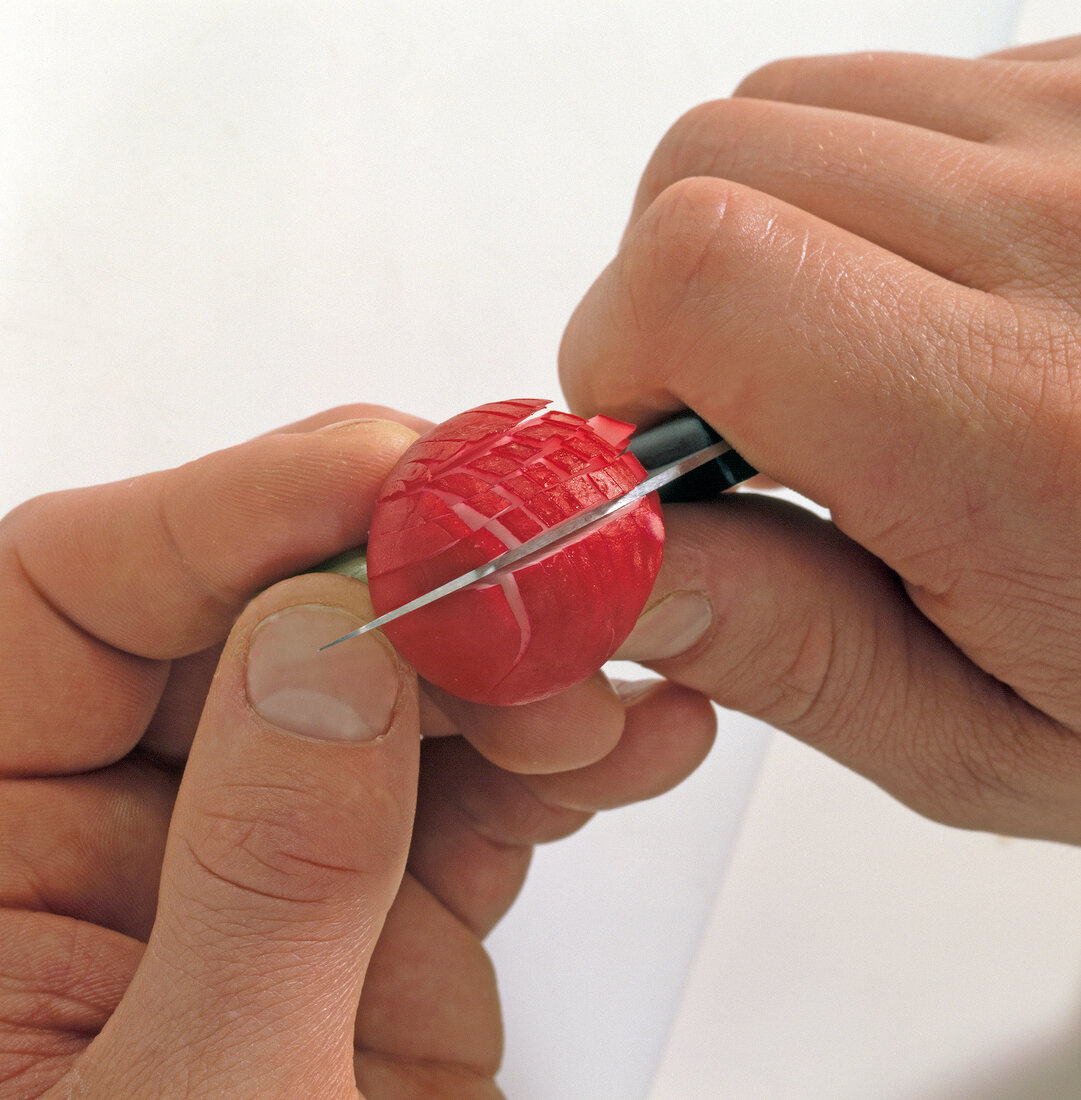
x,y
117,604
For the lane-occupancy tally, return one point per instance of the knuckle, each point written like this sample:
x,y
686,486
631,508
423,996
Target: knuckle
x,y
675,249
695,145
967,773
30,524
681,281
1017,406
16,518
526,820
1040,201
804,680
285,843
964,790
1034,383
680,271
1054,86
811,678
499,805
775,80
797,78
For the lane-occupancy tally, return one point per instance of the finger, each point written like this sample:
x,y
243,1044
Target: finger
x,y
1056,49
475,830
286,849
668,733
56,677
569,730
433,721
99,586
160,565
477,823
87,846
60,981
821,358
172,727
444,1028
954,96
910,191
811,634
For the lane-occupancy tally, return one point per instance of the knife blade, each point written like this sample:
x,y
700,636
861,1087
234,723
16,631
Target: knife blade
x,y
670,451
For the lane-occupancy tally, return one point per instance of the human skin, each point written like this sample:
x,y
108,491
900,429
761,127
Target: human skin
x,y
198,898
865,272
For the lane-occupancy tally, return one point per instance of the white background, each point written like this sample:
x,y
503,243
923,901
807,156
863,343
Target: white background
x,y
218,217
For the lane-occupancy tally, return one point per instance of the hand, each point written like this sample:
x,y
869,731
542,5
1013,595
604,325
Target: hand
x,y
866,273
215,940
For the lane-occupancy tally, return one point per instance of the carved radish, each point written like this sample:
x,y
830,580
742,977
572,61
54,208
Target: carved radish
x,y
486,481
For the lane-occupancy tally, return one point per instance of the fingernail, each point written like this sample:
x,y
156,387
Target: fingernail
x,y
344,425
347,693
634,691
668,629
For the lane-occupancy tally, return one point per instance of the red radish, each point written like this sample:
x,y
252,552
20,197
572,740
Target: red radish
x,y
479,484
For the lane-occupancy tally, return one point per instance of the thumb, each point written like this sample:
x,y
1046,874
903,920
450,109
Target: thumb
x,y
286,849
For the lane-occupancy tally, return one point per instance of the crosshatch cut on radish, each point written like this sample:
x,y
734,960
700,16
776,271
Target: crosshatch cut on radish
x,y
482,483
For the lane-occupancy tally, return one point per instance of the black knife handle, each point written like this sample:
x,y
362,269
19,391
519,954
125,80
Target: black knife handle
x,y
674,439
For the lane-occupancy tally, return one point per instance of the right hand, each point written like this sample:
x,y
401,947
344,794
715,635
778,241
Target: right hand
x,y
865,272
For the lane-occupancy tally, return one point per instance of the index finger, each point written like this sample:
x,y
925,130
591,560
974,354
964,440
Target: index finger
x,y
101,587
833,365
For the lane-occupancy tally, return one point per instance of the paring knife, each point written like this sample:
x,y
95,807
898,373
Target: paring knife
x,y
685,460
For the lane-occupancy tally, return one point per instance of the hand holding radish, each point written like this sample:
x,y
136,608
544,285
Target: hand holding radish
x,y
213,882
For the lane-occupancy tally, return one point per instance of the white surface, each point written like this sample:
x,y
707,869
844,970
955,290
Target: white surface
x,y
1040,20
217,217
859,952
